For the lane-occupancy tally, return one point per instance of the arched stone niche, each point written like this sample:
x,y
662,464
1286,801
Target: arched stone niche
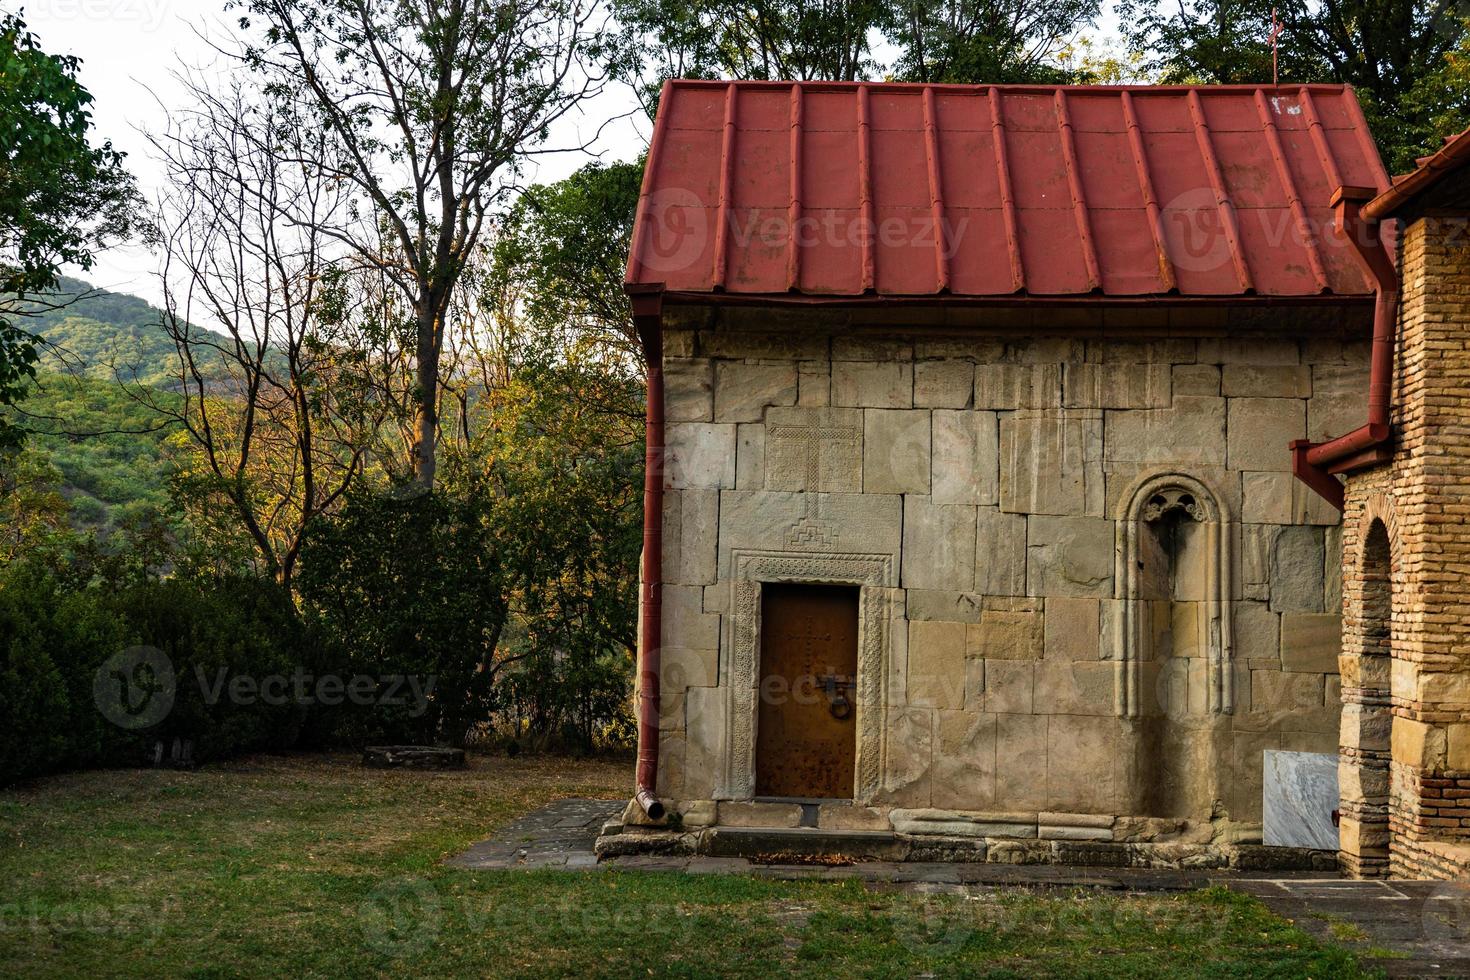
x,y
1173,541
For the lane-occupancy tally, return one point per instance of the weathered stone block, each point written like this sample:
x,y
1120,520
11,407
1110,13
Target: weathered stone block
x,y
814,384
1075,688
943,384
1415,743
938,544
1051,463
1261,428
814,449
909,759
1280,498
1297,570
846,523
1311,642
1000,552
691,523
1192,431
896,451
1020,760
873,384
1081,762
743,391
942,606
1257,634
964,760
1248,350
1277,695
1118,386
850,816
704,750
1339,400
683,667
746,813
1007,634
1069,556
699,456
936,676
1008,387
1267,381
750,456
1457,747
688,389
966,457
685,623
1196,379
1073,629
1009,686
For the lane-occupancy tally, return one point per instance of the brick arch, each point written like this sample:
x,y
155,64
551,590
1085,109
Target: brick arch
x,y
1364,750
1378,507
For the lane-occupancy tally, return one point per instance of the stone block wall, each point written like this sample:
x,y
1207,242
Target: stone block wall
x,y
988,479
1406,658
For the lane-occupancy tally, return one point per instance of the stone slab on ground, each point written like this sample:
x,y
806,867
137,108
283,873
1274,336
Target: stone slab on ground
x,y
557,836
412,757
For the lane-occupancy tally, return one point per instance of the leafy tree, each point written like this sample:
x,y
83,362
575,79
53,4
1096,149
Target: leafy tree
x,y
1398,54
763,39
60,197
562,250
429,105
32,511
987,40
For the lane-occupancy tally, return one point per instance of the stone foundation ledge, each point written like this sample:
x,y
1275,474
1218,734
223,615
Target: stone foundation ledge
x,y
769,832
791,845
841,817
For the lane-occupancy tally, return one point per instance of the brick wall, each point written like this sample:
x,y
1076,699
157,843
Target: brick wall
x,y
1422,499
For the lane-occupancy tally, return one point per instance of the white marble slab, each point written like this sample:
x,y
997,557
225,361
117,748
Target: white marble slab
x,y
1300,794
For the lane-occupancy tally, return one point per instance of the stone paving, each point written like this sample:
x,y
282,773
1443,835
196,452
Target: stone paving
x,y
1423,926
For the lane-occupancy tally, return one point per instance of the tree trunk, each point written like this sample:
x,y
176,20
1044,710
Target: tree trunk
x,y
426,420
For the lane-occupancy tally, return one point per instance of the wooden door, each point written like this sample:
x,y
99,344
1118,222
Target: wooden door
x,y
805,735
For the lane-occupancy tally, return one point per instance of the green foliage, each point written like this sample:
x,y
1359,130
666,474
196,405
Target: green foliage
x,y
1400,55
59,626
986,40
564,247
104,335
109,449
563,455
60,197
991,41
412,585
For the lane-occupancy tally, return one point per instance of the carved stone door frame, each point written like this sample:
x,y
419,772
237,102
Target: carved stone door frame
x,y
875,577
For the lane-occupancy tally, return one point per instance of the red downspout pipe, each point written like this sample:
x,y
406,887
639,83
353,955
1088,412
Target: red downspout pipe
x,y
648,317
1313,463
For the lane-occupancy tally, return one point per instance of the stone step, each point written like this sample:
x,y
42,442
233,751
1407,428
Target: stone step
x,y
806,842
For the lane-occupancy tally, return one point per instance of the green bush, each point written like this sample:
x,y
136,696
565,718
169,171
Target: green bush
x,y
57,635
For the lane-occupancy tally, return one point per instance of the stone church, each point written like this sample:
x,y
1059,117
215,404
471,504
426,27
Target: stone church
x,y
996,466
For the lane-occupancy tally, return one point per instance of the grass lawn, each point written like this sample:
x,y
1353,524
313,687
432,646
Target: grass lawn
x,y
312,866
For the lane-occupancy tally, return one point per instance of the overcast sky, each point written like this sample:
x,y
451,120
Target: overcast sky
x,y
128,49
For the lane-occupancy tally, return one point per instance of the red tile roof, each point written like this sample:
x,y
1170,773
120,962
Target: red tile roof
x,y
842,190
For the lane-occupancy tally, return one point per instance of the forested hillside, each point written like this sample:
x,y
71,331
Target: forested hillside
x,y
105,335
92,410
